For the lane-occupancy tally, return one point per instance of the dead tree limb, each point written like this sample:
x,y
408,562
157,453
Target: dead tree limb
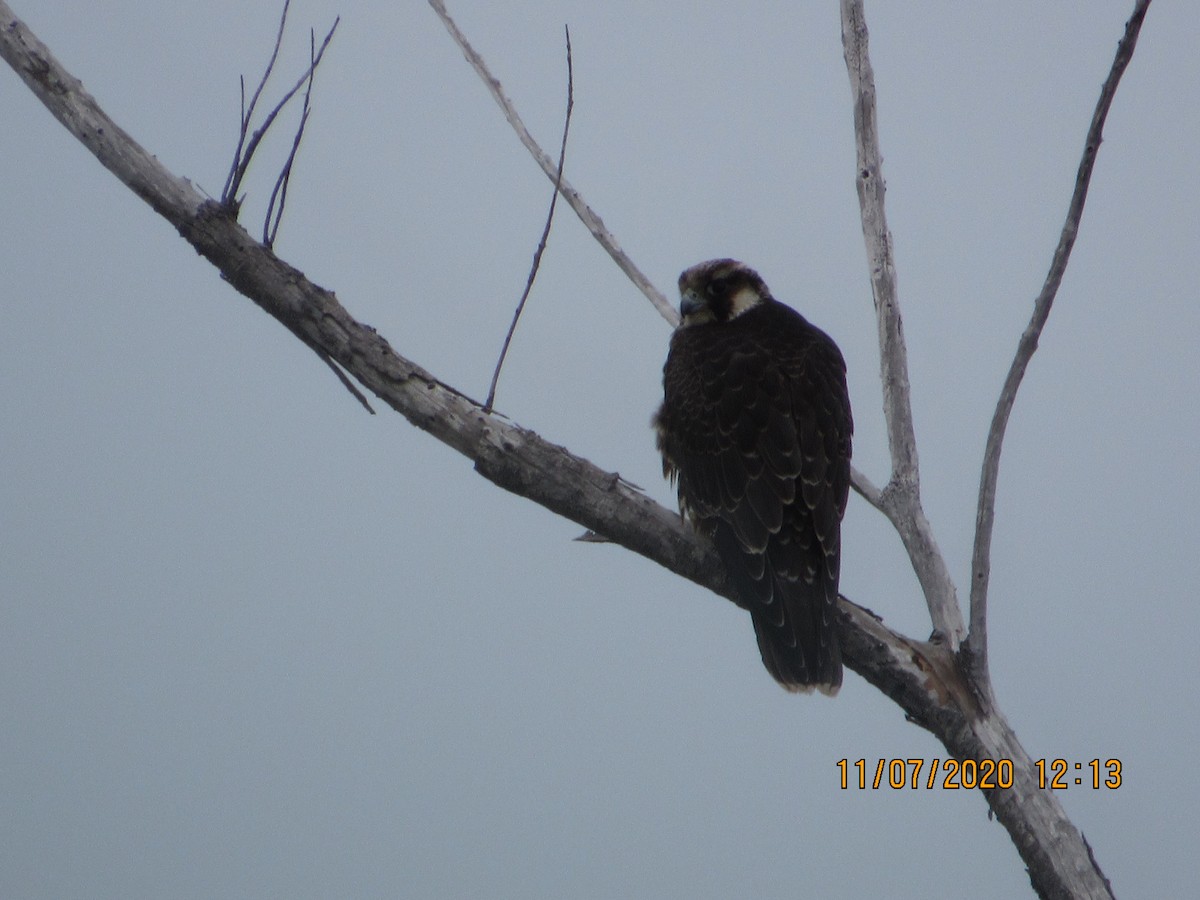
x,y
900,499
981,561
922,678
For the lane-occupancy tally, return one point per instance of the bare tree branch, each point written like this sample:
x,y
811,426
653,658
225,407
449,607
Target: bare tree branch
x,y
923,678
981,565
279,193
587,216
541,247
900,499
893,361
866,488
233,179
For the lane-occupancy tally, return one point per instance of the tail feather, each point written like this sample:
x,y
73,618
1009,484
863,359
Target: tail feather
x,y
801,658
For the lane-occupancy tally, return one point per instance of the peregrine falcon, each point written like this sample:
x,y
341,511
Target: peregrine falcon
x,y
755,431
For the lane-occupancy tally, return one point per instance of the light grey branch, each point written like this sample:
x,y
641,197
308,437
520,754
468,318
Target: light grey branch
x,y
981,564
893,360
587,216
866,488
900,500
922,678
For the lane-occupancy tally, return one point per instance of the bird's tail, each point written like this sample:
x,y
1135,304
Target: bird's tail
x,y
801,653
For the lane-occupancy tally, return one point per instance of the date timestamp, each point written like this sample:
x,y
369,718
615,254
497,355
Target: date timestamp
x,y
985,774
1059,774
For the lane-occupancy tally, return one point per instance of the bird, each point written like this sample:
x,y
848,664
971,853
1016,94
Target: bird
x,y
755,431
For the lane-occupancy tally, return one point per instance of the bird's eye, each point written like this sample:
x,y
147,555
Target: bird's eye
x,y
713,288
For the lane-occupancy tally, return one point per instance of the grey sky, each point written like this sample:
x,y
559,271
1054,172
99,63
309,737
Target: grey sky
x,y
254,642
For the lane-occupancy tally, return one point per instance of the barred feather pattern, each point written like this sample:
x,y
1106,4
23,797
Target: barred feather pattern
x,y
755,429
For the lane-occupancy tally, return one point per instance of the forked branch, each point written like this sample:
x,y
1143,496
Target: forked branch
x,y
921,677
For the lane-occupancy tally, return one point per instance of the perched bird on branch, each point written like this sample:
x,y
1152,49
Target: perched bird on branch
x,y
755,430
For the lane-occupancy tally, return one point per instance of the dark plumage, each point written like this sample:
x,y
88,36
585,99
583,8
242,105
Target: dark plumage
x,y
755,429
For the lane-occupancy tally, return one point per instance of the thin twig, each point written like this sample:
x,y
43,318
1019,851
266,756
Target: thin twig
x,y
241,132
285,176
591,221
977,641
541,247
231,186
242,161
342,377
900,499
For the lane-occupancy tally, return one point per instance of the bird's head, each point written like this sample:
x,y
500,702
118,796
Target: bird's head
x,y
718,290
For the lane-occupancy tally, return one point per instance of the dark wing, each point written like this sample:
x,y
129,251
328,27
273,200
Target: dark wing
x,y
756,428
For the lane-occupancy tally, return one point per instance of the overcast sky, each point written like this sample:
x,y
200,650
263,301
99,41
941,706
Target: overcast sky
x,y
255,642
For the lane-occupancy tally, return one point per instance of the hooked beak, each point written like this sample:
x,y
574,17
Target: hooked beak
x,y
690,303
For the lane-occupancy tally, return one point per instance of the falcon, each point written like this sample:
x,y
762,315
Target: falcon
x,y
755,430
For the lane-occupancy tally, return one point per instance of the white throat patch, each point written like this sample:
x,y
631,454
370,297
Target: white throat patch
x,y
743,301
